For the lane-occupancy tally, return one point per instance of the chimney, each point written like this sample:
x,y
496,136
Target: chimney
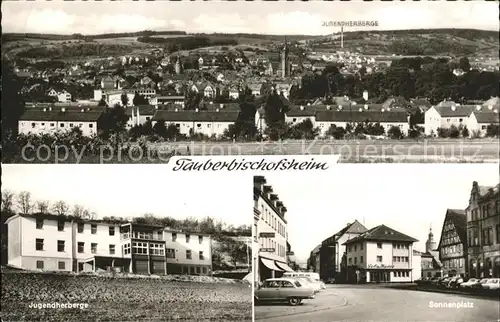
x,y
222,106
361,110
50,108
63,109
301,107
45,109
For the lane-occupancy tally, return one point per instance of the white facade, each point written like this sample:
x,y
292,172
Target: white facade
x,y
205,128
64,97
188,253
324,126
37,127
395,259
49,244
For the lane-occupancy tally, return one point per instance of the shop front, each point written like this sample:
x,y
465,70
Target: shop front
x,y
268,269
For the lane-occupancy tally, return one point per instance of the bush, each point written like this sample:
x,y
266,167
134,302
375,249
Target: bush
x,y
454,132
395,133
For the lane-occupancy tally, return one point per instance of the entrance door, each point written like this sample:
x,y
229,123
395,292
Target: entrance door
x,y
141,267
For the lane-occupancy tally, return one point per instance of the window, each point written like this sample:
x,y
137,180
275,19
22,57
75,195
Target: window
x,y
188,254
70,124
60,245
204,270
174,237
126,249
51,124
39,223
61,124
361,259
80,227
350,261
379,245
91,125
200,239
379,259
188,237
355,248
93,229
170,253
61,265
111,230
43,124
39,264
93,248
355,260
157,249
60,225
81,247
140,248
361,247
39,244
111,249
498,234
394,259
202,257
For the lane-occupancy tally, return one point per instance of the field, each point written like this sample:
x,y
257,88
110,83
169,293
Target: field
x,y
350,151
122,299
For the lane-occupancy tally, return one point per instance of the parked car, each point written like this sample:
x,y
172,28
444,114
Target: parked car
x,y
472,283
317,285
444,282
434,280
482,282
283,289
455,282
491,284
331,280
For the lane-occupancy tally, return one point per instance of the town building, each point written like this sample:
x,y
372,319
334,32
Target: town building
x,y
483,231
313,263
167,100
188,253
192,122
139,115
446,114
272,228
381,254
285,61
60,243
333,249
431,265
50,120
453,243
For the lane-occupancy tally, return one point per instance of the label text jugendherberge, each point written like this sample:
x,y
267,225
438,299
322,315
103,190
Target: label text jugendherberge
x,y
186,164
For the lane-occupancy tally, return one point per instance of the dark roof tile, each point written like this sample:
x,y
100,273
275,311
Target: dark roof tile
x,y
193,116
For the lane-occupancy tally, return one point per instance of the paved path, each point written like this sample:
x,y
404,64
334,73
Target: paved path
x,y
373,303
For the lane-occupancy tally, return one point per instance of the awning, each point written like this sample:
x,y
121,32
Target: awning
x,y
284,267
270,264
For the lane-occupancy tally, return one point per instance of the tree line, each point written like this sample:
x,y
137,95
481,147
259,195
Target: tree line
x,y
409,78
187,43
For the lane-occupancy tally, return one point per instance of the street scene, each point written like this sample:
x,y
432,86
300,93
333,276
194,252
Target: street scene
x,y
168,78
375,303
117,254
394,255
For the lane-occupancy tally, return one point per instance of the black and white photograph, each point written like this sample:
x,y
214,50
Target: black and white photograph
x,y
123,243
139,82
378,242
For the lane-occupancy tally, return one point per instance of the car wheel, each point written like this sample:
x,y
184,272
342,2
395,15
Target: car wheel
x,y
293,301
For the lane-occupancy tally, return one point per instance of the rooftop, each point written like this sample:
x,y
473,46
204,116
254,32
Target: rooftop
x,y
382,233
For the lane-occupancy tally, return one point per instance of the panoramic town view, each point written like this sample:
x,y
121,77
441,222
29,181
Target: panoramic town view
x,y
208,81
99,256
328,253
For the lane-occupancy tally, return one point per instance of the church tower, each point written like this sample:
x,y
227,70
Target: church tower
x,y
178,66
285,64
430,244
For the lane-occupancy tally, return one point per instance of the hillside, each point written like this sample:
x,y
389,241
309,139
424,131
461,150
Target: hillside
x,y
425,42
429,42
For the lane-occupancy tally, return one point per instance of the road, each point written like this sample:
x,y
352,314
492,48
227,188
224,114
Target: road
x,y
375,303
354,151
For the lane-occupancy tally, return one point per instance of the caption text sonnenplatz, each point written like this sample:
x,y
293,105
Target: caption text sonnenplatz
x,y
187,164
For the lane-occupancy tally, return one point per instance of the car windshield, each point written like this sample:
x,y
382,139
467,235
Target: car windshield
x,y
484,280
298,284
472,280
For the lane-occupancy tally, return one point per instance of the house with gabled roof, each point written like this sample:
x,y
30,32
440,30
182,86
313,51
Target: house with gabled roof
x,y
452,246
332,250
381,254
191,122
49,120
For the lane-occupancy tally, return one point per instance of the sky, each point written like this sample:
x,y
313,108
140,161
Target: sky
x,y
409,198
133,190
94,17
